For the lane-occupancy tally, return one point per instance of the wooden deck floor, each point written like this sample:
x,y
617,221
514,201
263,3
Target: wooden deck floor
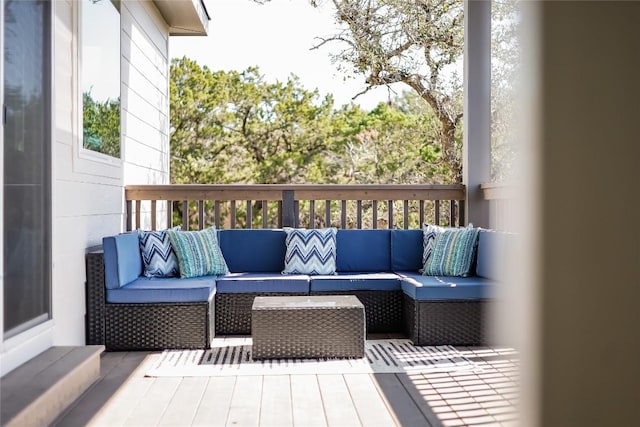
x,y
123,396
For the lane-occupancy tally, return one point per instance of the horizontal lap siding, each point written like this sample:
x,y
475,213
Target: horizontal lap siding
x,y
87,199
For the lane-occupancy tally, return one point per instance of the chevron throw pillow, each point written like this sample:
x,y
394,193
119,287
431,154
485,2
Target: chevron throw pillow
x,y
158,256
310,251
429,233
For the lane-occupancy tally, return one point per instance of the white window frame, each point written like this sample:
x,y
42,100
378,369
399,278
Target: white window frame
x,y
84,160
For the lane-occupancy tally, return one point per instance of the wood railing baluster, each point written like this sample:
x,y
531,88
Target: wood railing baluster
x,y
287,209
265,214
405,218
185,215
421,213
169,214
200,214
437,212
390,214
374,214
232,213
138,209
343,215
129,218
312,214
216,213
452,213
249,214
327,213
153,214
359,213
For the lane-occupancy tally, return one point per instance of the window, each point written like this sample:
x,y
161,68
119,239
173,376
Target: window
x,y
27,165
100,69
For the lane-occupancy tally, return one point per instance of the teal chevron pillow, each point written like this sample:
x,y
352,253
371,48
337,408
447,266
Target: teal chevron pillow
x,y
310,251
198,252
453,252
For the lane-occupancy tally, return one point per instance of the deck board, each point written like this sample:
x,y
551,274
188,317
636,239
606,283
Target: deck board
x,y
275,407
184,405
370,406
338,406
121,404
215,402
400,404
307,401
245,402
153,403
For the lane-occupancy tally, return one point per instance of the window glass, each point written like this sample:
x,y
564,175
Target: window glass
x,y
27,161
100,69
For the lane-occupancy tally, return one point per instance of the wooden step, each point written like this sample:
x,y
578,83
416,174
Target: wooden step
x,y
35,393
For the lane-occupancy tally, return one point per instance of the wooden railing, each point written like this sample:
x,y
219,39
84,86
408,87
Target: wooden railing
x,y
302,205
500,197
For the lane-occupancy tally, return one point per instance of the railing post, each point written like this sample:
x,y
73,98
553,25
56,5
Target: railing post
x,y
288,208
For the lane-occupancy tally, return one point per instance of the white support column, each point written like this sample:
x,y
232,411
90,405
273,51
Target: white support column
x,y
476,152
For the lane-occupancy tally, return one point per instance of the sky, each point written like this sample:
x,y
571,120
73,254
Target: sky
x,y
276,37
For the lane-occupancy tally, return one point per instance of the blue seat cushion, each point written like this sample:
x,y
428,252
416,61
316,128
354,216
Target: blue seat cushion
x,y
356,282
122,259
253,251
363,250
425,288
164,289
238,283
406,250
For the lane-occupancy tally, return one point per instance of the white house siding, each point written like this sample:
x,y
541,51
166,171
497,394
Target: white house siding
x,y
88,196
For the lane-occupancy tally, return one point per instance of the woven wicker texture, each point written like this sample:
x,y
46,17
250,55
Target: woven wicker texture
x,y
233,312
445,322
143,326
158,326
383,309
95,299
293,332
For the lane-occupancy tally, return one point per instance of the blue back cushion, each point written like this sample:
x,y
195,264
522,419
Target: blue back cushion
x,y
122,259
406,250
363,250
493,247
256,250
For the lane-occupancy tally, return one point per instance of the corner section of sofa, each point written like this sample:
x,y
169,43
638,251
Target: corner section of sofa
x,y
126,311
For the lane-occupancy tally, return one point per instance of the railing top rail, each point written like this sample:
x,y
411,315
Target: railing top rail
x,y
301,191
497,191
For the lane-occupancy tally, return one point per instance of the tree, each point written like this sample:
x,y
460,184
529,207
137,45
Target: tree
x,y
418,43
235,127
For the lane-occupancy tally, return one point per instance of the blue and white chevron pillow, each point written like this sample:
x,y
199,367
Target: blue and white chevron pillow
x,y
158,256
310,251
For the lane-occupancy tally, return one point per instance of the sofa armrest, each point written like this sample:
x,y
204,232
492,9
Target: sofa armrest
x,y
95,298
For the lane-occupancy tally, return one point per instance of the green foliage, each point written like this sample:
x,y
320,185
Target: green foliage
x,y
416,43
101,124
234,127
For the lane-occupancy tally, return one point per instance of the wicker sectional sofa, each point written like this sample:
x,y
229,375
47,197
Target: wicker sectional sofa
x,y
126,311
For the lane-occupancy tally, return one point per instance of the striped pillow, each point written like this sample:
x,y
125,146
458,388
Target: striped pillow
x,y
310,251
198,252
453,252
158,256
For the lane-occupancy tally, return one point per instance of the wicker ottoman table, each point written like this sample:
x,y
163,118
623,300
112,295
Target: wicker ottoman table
x,y
307,326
